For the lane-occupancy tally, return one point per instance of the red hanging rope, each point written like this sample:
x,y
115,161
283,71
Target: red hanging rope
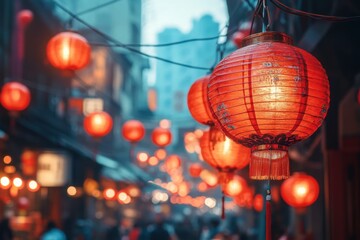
x,y
223,206
268,214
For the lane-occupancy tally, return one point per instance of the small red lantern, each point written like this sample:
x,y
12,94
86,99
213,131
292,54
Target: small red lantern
x,y
223,154
268,95
358,96
173,162
240,35
235,186
133,131
98,124
245,199
300,190
258,203
197,101
161,137
24,17
195,170
68,51
29,162
15,96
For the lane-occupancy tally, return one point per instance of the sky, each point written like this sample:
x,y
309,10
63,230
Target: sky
x,y
161,14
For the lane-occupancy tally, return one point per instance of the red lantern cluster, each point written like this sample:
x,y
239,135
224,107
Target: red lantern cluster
x,y
300,190
133,131
197,101
268,95
68,51
98,124
161,137
15,96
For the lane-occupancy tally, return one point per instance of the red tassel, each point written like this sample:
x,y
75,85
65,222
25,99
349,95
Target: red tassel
x,y
268,215
223,207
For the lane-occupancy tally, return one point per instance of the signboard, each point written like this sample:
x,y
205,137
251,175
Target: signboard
x,y
53,169
91,105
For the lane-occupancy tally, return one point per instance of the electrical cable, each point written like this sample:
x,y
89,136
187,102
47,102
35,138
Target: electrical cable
x,y
297,12
161,44
111,39
97,7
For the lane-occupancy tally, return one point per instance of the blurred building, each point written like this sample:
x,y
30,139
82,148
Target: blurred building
x,y
172,81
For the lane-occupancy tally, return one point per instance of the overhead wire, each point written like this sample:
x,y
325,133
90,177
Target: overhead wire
x,y
297,12
96,7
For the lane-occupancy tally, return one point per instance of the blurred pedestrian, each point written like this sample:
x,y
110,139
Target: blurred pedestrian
x,y
5,230
159,231
52,232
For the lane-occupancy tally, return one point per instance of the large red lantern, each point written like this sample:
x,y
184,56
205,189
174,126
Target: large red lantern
x,y
98,124
223,154
133,131
268,95
68,51
235,186
15,96
300,190
161,137
197,101
195,170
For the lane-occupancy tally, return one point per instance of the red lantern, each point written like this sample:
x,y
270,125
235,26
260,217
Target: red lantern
x,y
358,96
235,186
24,17
300,190
223,154
15,96
195,170
240,35
258,202
161,137
173,162
268,95
133,131
197,101
68,51
98,124
245,198
29,162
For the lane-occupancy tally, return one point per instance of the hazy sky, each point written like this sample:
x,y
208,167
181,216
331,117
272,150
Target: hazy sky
x,y
159,14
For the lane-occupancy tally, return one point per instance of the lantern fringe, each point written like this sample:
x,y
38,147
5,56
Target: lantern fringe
x,y
268,214
278,169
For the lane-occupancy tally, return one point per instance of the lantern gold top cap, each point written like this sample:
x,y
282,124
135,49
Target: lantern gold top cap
x,y
266,37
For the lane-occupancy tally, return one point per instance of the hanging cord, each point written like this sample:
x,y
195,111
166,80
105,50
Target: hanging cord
x,y
297,12
268,214
222,205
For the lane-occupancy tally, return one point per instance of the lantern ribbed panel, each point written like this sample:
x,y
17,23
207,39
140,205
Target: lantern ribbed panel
x,y
161,137
15,96
197,101
133,131
98,124
221,152
268,93
68,51
300,190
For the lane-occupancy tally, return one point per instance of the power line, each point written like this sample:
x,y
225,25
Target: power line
x,y
297,12
97,7
161,44
111,39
